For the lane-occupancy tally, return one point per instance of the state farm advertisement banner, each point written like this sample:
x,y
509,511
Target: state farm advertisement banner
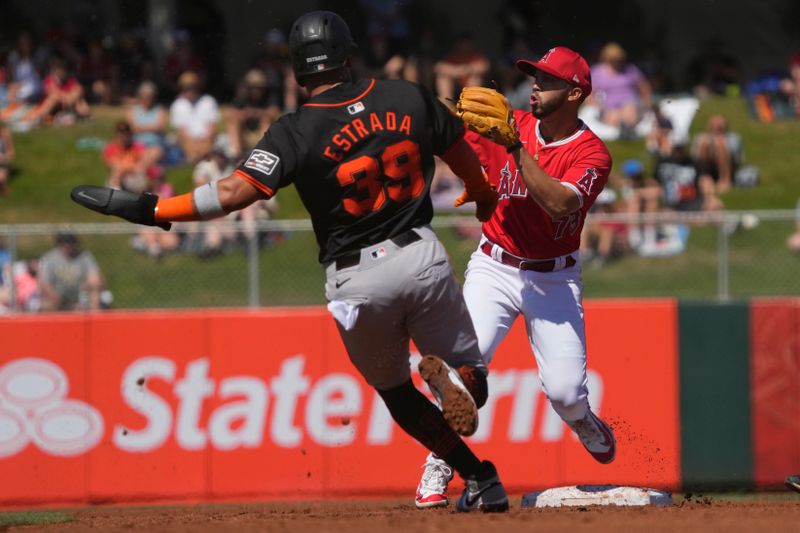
x,y
265,404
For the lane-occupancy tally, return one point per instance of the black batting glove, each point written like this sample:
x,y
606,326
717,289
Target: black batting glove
x,y
136,208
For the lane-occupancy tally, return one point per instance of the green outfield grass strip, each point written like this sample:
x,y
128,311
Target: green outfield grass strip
x,y
31,518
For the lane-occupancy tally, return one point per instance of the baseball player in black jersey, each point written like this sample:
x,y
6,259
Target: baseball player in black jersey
x,y
360,153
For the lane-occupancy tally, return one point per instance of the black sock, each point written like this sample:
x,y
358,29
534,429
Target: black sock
x,y
424,421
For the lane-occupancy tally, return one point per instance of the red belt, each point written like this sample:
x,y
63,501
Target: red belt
x,y
548,265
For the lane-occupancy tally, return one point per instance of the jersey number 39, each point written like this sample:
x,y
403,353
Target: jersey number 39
x,y
396,173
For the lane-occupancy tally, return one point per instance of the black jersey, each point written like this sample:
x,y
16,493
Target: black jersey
x,y
361,157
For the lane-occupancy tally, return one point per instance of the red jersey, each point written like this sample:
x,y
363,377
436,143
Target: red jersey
x,y
115,153
51,83
519,225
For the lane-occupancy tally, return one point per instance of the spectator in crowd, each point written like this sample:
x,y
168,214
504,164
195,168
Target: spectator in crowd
x,y
276,65
642,195
602,240
6,157
791,84
793,242
683,186
64,101
153,241
194,116
25,83
148,121
251,113
210,238
402,67
3,82
183,59
659,140
94,72
620,89
69,278
464,66
132,64
718,152
446,187
23,275
5,276
126,161
5,258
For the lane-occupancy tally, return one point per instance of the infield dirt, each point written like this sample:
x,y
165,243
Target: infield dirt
x,y
697,514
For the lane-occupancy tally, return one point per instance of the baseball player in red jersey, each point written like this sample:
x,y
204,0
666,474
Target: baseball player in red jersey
x,y
360,154
527,261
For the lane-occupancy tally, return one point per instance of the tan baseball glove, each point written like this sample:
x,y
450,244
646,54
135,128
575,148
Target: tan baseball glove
x,y
488,113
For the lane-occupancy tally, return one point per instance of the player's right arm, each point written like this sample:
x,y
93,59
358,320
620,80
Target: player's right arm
x,y
449,144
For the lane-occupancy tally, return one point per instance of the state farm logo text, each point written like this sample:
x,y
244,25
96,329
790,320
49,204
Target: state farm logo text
x,y
34,408
164,402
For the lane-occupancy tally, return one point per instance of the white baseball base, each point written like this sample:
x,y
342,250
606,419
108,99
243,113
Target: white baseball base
x,y
583,495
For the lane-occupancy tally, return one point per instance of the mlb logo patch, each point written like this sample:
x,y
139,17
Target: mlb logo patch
x,y
358,107
262,161
380,252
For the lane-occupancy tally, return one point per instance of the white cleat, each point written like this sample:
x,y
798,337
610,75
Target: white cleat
x,y
596,436
432,489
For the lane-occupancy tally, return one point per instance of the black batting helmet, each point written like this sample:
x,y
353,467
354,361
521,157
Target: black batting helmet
x,y
319,41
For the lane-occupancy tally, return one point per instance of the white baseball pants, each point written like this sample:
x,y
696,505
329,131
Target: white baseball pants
x,y
551,304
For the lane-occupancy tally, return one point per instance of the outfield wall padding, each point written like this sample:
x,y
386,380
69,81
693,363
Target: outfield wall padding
x,y
716,440
237,404
775,384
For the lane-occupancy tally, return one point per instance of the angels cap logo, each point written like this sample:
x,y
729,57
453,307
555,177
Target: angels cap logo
x,y
546,56
34,408
262,161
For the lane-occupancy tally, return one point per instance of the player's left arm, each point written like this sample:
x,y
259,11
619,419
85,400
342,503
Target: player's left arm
x,y
561,195
258,177
209,201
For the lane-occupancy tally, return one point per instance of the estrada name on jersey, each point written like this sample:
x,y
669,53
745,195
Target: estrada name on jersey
x,y
361,157
519,225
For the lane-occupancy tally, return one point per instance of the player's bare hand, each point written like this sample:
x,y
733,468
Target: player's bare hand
x,y
137,208
485,202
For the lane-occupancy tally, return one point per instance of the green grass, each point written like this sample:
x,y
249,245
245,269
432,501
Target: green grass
x,y
30,518
50,165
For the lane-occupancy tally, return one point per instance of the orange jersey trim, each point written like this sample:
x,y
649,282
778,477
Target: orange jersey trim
x,y
269,193
356,99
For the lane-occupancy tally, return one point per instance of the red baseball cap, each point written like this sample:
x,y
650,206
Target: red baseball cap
x,y
563,63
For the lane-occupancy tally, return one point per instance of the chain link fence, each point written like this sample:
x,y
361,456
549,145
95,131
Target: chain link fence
x,y
685,255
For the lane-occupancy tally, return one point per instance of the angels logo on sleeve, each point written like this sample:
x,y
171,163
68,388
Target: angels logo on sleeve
x,y
587,181
262,161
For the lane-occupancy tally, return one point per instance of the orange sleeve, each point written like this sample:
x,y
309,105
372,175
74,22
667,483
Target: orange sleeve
x,y
463,161
176,209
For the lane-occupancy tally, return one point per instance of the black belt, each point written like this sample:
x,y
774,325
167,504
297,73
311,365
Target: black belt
x,y
351,259
548,265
